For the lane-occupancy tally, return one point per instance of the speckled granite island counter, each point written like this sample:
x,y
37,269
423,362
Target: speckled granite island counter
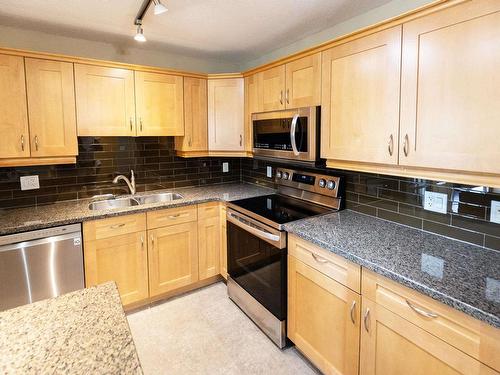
x,y
32,218
463,276
84,332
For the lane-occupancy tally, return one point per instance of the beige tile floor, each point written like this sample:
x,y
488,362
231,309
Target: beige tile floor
x,y
203,332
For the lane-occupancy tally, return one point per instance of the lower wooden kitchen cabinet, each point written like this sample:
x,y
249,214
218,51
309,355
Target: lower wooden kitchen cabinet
x,y
388,329
323,314
154,255
209,228
115,249
173,257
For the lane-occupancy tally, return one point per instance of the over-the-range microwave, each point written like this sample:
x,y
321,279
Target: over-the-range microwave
x,y
291,134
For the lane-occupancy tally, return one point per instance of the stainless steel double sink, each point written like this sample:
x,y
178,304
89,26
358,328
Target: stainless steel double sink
x,y
108,204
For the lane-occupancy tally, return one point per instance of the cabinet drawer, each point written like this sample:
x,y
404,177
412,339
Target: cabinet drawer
x,y
113,226
334,266
473,337
171,216
207,210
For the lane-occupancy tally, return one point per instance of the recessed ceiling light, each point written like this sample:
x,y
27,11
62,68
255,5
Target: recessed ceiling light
x,y
139,36
159,7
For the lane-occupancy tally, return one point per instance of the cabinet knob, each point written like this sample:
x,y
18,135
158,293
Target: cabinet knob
x,y
390,147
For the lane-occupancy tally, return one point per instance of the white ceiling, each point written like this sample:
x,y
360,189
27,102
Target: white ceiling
x,y
233,30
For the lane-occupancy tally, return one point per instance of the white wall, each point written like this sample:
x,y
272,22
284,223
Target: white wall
x,y
14,37
386,11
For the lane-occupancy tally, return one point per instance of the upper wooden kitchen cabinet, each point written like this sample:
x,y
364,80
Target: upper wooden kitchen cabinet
x,y
51,108
450,112
295,84
159,104
105,101
360,99
195,139
14,142
226,116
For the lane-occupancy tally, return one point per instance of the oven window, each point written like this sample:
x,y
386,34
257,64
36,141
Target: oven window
x,y
259,268
274,134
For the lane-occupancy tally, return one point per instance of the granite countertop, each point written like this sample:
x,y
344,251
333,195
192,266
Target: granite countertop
x,y
83,332
463,276
31,218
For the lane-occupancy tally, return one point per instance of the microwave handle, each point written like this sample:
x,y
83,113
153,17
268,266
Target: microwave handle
x,y
293,128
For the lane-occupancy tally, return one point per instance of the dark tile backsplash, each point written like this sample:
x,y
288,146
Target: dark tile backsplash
x,y
400,200
100,159
153,159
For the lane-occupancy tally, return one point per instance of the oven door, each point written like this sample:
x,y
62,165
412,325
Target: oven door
x,y
290,134
256,256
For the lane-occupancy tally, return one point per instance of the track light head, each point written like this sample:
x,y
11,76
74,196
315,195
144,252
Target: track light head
x,y
159,7
139,36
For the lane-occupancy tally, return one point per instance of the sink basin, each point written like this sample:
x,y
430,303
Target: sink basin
x,y
160,197
113,203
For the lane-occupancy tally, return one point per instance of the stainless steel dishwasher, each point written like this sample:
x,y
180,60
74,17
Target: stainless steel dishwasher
x,y
40,264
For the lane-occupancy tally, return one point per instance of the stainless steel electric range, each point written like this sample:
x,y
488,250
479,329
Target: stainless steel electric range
x,y
257,244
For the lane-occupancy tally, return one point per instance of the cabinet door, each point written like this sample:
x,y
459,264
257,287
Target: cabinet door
x,y
122,259
360,99
273,89
105,101
223,243
392,345
225,115
173,257
303,82
253,104
51,108
195,116
323,319
14,142
209,240
159,104
450,112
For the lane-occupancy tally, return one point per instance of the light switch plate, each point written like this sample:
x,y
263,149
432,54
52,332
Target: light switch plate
x,y
269,171
225,167
495,212
437,202
29,183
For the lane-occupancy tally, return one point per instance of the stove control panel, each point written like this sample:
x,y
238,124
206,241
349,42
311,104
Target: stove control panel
x,y
313,182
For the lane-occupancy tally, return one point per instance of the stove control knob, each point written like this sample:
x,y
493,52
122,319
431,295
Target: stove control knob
x,y
322,183
278,174
285,175
330,185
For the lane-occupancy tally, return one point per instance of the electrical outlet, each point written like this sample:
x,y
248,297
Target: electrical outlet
x,y
437,202
269,172
225,167
29,183
495,212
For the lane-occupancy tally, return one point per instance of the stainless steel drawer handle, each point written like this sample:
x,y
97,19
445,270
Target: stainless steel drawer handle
x,y
319,259
22,142
281,97
36,142
421,311
287,96
131,124
366,320
241,139
390,147
142,242
140,122
353,307
177,215
152,241
406,145
117,226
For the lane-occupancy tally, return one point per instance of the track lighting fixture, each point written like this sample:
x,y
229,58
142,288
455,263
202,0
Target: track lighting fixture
x,y
159,7
139,36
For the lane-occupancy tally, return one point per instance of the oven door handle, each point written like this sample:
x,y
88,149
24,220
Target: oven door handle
x,y
252,228
293,128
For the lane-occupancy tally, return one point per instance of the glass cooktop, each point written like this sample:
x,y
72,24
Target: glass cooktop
x,y
280,209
